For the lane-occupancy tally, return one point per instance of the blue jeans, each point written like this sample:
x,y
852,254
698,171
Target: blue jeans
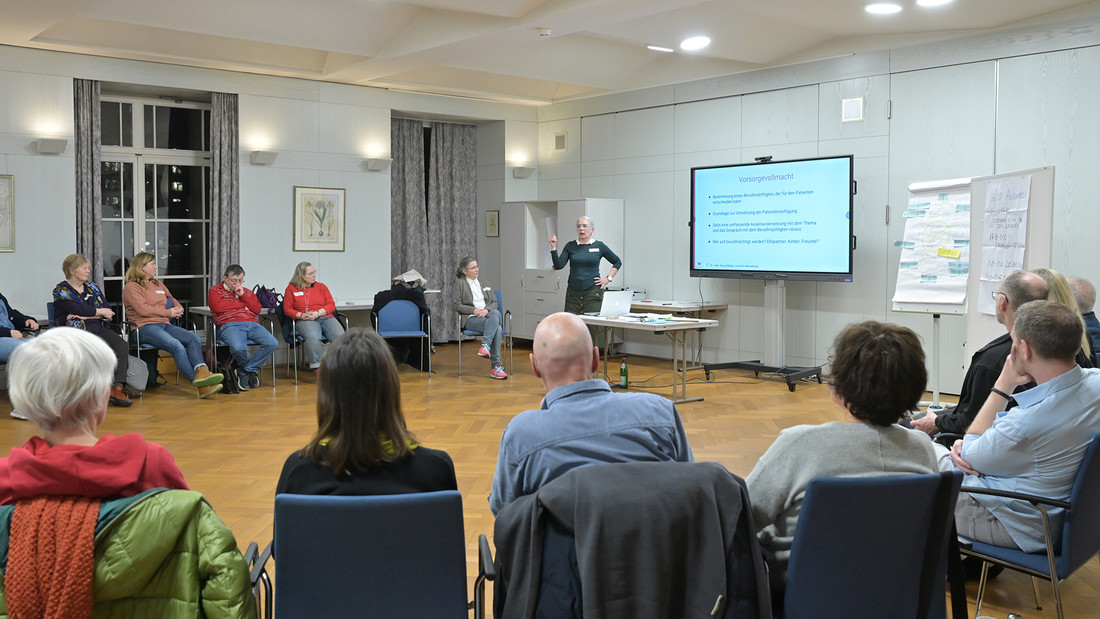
x,y
237,335
7,346
185,347
325,327
491,333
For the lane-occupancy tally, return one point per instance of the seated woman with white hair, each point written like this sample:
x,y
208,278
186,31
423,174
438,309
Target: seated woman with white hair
x,y
61,381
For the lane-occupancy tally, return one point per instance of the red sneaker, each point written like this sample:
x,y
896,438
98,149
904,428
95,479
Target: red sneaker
x,y
498,373
484,352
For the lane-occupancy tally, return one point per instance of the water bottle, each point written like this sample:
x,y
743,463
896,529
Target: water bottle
x,y
623,374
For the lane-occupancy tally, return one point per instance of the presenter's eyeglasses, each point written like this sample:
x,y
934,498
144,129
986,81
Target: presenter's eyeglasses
x,y
995,293
586,226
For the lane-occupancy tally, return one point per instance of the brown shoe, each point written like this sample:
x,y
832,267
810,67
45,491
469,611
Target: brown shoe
x,y
119,398
204,377
209,390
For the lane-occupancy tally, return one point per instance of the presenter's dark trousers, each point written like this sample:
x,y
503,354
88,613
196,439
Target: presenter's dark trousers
x,y
585,302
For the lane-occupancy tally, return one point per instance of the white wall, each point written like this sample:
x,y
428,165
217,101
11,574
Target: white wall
x,y
968,108
321,131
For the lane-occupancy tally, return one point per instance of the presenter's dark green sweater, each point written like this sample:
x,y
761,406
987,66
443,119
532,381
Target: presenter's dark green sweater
x,y
586,262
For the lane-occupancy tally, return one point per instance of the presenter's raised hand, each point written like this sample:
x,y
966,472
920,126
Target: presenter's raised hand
x,y
553,242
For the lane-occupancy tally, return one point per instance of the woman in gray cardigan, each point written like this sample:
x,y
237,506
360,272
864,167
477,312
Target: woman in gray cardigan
x,y
478,311
877,375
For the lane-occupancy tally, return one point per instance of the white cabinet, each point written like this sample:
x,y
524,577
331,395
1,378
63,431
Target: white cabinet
x,y
530,287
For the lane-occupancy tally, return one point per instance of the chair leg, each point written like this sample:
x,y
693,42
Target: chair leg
x,y
460,353
1035,592
981,589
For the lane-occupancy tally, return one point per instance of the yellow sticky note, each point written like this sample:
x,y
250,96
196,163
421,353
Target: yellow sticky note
x,y
949,253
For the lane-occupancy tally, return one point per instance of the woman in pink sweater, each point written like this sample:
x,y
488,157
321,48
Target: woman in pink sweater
x,y
149,304
309,303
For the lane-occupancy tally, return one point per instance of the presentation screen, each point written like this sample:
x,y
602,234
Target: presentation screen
x,y
773,220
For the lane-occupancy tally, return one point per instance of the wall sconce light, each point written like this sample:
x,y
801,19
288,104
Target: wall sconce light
x,y
522,171
51,146
263,157
377,164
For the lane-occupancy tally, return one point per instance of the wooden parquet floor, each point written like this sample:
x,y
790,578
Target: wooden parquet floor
x,y
232,447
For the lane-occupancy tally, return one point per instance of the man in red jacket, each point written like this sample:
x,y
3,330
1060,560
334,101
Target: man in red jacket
x,y
235,310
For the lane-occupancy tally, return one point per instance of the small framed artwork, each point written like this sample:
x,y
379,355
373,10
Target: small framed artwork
x,y
7,213
318,219
492,223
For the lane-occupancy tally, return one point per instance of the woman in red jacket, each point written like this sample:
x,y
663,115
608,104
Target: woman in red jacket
x,y
309,303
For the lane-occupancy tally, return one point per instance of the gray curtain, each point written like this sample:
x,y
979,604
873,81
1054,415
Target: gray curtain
x,y
408,204
452,218
89,218
432,231
225,238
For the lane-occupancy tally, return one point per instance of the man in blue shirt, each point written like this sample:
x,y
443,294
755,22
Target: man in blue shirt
x,y
1037,447
581,421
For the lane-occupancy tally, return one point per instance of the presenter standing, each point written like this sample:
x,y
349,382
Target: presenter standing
x,y
586,285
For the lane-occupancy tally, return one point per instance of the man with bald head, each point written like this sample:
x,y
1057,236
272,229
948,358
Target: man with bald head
x,y
1017,288
1085,295
581,421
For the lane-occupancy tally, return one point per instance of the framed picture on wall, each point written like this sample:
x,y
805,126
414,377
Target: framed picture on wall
x,y
7,212
492,223
318,219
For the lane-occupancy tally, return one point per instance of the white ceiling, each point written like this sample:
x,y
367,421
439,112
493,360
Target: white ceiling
x,y
492,48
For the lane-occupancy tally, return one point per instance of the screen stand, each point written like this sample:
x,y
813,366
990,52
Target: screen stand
x,y
775,315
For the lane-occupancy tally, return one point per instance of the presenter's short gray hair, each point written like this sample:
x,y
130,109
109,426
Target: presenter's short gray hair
x,y
61,378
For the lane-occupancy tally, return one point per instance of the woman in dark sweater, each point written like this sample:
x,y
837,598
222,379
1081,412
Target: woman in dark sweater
x,y
78,302
362,445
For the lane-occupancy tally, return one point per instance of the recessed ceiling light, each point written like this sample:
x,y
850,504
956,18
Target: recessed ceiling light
x,y
883,8
691,44
658,48
933,2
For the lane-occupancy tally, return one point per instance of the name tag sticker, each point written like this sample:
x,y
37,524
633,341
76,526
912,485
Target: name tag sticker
x,y
299,293
159,291
595,249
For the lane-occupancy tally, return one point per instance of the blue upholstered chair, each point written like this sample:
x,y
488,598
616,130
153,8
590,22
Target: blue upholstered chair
x,y
1080,533
872,547
401,318
401,555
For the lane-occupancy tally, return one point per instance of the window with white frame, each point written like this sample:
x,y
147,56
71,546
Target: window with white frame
x,y
155,177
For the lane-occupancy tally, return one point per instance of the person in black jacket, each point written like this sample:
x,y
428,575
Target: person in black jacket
x,y
408,286
362,445
12,325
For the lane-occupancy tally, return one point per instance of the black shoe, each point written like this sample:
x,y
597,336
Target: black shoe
x,y
242,381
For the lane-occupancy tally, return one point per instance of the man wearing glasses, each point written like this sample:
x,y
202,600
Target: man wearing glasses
x,y
235,310
1017,288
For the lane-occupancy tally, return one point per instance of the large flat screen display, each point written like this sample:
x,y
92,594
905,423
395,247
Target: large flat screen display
x,y
773,220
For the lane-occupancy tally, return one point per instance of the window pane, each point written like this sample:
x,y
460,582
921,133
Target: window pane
x,y
118,247
186,192
117,191
189,291
150,141
128,124
206,130
186,249
174,128
110,123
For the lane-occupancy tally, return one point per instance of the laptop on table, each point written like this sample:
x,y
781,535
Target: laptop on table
x,y
615,303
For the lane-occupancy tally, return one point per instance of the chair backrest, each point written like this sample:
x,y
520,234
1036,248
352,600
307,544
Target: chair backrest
x,y
500,302
1081,530
398,555
399,315
871,546
286,324
49,314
